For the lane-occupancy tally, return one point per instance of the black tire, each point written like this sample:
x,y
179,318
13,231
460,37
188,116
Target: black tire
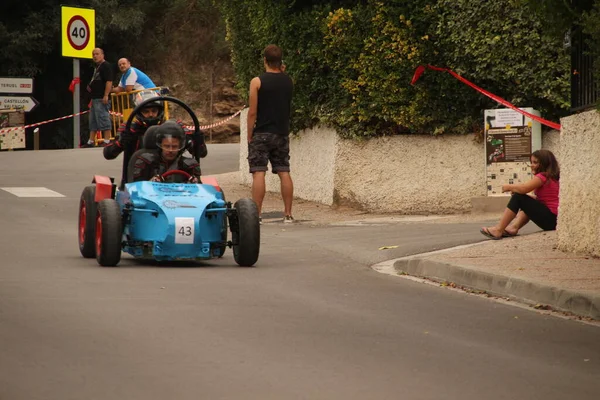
x,y
109,233
247,244
86,226
224,229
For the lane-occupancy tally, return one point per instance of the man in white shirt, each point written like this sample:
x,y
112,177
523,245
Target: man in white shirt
x,y
132,79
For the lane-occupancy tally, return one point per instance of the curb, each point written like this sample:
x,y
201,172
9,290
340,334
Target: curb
x,y
582,303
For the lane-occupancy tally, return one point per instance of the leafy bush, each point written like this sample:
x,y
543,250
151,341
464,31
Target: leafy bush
x,y
162,37
352,62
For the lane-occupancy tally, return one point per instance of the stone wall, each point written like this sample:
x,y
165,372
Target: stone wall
x,y
410,174
407,174
579,213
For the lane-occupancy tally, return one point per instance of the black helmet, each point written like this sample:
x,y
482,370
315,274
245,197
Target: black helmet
x,y
145,95
170,129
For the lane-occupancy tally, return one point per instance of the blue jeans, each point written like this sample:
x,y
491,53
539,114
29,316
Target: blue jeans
x,y
99,116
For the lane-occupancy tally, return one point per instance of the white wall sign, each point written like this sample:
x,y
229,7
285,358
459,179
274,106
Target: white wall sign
x,y
506,117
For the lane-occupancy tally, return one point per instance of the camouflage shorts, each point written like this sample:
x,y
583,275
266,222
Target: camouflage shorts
x,y
265,147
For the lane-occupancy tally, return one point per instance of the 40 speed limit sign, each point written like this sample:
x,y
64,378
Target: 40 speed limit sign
x,y
78,32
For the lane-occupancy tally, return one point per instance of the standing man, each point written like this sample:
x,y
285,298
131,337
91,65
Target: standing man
x,y
132,78
270,101
100,87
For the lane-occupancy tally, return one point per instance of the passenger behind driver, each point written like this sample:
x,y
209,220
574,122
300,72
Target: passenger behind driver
x,y
149,165
151,114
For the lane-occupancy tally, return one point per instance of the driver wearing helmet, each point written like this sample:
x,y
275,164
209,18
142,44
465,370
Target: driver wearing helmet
x,y
150,164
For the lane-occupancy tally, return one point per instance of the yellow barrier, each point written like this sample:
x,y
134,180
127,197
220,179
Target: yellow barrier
x,y
122,106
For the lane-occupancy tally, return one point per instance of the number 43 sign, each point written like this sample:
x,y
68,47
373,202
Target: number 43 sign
x,y
184,230
77,32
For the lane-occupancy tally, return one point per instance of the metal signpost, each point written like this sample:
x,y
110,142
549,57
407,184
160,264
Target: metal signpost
x,y
78,37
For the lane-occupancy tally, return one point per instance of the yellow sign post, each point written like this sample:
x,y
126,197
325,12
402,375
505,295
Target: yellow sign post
x,y
78,32
78,39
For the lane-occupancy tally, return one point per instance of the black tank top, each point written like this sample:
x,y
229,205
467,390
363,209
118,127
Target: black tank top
x,y
274,103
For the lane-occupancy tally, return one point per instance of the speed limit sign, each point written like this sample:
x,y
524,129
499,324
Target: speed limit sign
x,y
78,33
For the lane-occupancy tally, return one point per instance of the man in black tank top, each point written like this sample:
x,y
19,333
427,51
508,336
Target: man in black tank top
x,y
268,129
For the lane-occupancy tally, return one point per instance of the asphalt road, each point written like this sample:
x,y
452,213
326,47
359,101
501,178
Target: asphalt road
x,y
311,321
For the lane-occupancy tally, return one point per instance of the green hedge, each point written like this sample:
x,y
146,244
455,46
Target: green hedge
x,y
352,64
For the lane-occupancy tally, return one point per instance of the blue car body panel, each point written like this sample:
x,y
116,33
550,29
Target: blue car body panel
x,y
172,221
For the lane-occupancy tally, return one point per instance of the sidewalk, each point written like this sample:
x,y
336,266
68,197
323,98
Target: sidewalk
x,y
526,268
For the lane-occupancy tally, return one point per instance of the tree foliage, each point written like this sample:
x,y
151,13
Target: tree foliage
x,y
153,34
352,62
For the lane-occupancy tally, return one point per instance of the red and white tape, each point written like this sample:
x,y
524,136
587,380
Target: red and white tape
x,y
6,130
202,126
218,123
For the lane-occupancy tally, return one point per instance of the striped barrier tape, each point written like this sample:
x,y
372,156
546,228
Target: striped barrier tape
x,y
6,130
202,126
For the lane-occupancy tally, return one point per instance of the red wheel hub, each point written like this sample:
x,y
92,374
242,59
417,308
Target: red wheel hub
x,y
82,219
98,234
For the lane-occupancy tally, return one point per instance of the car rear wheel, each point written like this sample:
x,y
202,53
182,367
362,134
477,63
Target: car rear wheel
x,y
87,222
108,233
224,229
246,241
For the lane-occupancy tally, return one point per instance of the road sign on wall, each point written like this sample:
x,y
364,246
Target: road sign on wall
x,y
78,32
16,85
28,103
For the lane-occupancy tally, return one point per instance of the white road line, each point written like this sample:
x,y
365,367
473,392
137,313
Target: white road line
x,y
32,192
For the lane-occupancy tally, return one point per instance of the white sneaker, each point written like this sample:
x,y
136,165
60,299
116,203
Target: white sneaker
x,y
288,219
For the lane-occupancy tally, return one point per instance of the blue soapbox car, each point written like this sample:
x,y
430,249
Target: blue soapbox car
x,y
165,221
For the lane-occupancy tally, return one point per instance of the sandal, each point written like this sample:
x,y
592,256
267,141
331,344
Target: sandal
x,y
485,232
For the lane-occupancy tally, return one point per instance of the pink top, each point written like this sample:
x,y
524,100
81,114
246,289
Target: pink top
x,y
548,193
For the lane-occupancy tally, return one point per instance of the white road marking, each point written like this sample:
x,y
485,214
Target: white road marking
x,y
32,192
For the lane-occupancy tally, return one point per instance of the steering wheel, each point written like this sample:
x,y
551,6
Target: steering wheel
x,y
164,99
176,172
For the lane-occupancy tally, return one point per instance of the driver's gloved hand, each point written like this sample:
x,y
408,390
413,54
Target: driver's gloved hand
x,y
198,145
157,178
127,138
193,179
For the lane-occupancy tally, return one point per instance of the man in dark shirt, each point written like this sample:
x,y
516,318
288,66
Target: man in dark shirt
x,y
100,87
270,101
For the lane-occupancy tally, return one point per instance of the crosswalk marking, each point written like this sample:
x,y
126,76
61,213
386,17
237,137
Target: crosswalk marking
x,y
32,192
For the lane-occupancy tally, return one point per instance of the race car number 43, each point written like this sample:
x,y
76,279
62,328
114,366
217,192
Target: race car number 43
x,y
184,230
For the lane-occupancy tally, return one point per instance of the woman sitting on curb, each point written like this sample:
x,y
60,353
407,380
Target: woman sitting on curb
x,y
522,208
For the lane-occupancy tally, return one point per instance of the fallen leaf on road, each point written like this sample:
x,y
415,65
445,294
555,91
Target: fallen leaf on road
x,y
388,247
